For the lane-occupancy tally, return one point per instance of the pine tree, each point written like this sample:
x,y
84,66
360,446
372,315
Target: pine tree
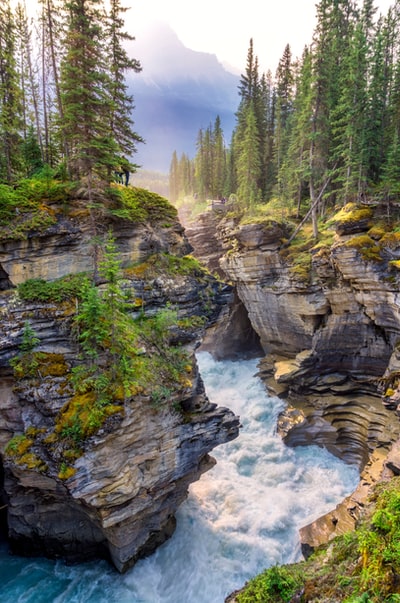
x,y
185,171
283,105
331,40
11,122
52,20
266,135
377,103
250,122
86,102
248,163
30,93
294,173
391,170
204,163
348,116
218,160
174,179
122,105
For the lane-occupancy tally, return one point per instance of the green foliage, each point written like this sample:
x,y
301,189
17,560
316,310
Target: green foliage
x,y
121,356
26,207
19,448
66,288
362,566
379,543
366,246
29,339
351,213
298,254
275,585
26,363
18,445
139,205
167,264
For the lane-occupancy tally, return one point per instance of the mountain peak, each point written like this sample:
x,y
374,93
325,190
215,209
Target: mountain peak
x,y
178,92
162,54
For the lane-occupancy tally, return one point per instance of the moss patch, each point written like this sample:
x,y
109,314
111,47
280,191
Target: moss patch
x,y
18,445
82,416
39,364
139,205
350,214
29,206
366,246
167,265
59,290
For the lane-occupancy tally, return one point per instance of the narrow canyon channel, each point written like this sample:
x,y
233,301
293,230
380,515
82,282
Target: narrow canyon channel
x,y
242,516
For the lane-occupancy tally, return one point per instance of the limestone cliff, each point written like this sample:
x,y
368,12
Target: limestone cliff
x,y
114,493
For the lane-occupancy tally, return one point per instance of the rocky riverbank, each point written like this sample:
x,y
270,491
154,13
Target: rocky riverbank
x,y
327,320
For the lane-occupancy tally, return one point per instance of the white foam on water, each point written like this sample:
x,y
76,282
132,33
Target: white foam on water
x,y
240,517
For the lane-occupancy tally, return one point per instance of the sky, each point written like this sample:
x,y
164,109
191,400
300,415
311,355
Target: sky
x,y
224,27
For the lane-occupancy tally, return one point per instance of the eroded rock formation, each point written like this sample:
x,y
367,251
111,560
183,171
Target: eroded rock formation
x,y
329,330
329,327
129,477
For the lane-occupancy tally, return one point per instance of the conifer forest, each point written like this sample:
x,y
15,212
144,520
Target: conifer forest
x,y
64,102
322,130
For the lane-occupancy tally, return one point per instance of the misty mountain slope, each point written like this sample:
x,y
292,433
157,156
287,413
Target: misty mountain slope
x,y
178,92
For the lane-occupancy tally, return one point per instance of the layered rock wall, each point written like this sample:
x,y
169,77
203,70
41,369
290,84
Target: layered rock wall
x,y
128,478
328,324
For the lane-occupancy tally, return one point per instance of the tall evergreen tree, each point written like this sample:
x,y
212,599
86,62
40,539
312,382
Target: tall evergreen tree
x,y
52,22
283,105
331,40
218,160
174,178
294,173
248,163
29,83
251,102
348,116
185,170
85,97
122,105
11,116
266,126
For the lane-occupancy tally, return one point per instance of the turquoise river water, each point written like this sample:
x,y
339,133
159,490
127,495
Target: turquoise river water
x,y
242,516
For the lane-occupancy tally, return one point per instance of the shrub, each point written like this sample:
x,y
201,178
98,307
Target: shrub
x,y
139,205
275,585
26,207
66,288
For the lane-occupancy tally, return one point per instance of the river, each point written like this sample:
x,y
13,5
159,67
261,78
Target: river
x,y
240,517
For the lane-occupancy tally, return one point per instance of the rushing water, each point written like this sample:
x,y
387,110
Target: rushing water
x,y
242,516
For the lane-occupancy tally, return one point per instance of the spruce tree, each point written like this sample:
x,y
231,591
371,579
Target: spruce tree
x,y
174,178
283,105
248,163
87,106
218,161
377,116
11,115
250,114
294,173
119,63
52,22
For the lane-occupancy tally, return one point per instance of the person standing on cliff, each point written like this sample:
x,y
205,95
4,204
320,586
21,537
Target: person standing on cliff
x,y
125,170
